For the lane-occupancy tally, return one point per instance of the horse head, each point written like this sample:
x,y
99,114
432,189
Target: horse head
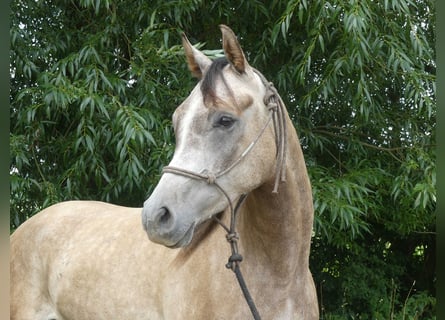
x,y
225,145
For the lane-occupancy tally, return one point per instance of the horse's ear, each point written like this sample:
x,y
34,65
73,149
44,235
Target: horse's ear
x,y
232,49
197,61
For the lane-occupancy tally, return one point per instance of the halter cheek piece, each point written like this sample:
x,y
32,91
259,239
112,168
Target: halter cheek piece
x,y
275,105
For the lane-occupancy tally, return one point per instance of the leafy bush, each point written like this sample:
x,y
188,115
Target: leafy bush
x,y
94,84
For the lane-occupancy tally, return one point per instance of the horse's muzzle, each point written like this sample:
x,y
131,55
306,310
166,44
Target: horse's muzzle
x,y
164,227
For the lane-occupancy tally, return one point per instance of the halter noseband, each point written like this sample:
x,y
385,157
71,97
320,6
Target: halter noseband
x,y
277,110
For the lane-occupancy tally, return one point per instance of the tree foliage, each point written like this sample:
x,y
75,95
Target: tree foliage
x,y
94,83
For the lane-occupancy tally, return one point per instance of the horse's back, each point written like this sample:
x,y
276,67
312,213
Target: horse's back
x,y
67,260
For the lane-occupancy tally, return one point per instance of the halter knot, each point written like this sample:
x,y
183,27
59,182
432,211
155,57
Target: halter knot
x,y
211,178
233,259
270,92
232,237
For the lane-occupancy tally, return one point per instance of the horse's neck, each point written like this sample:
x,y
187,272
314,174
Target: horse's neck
x,y
276,228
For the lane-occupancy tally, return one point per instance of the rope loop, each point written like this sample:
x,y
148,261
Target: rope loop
x,y
268,96
272,106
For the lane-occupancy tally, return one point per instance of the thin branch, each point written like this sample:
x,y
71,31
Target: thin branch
x,y
380,148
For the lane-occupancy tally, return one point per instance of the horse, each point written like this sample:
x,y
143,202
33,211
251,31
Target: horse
x,y
237,162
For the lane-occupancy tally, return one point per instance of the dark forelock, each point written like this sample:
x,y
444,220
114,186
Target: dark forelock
x,y
208,84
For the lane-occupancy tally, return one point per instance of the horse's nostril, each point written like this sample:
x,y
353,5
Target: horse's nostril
x,y
164,216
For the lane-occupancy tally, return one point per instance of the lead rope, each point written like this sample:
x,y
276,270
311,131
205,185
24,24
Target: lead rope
x,y
231,234
275,105
236,258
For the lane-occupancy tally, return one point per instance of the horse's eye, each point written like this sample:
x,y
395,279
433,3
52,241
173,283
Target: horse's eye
x,y
225,121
